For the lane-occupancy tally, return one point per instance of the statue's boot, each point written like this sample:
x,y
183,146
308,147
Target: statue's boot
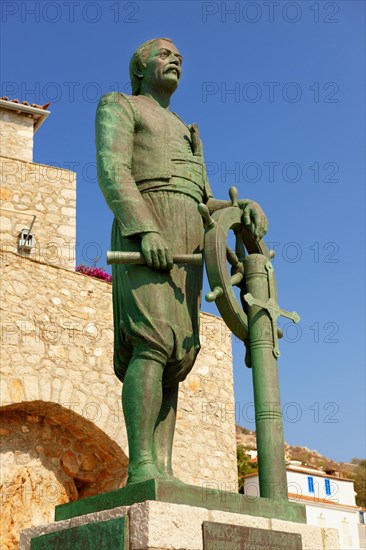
x,y
143,471
141,400
164,434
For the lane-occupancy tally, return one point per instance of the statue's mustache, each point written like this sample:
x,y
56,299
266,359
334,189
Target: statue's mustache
x,y
173,67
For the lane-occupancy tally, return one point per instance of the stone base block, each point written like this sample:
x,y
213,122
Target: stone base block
x,y
164,490
153,525
109,534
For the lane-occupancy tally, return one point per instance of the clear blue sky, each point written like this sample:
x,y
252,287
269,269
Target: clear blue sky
x,y
277,89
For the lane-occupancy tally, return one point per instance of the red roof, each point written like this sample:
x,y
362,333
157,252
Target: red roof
x,y
316,500
312,471
44,107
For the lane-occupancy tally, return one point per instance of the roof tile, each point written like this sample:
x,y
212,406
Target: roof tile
x,y
44,107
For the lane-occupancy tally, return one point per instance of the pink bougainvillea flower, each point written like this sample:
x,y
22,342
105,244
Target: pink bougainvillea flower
x,y
94,271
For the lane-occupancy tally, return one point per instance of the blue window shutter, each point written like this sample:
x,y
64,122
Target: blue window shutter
x,y
327,487
311,484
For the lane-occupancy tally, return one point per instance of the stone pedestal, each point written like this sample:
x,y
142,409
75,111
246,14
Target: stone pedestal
x,y
101,523
155,525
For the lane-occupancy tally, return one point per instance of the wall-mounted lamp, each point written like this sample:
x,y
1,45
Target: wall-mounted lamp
x,y
26,240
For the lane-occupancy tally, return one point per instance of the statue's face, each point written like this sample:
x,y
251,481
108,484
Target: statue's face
x,y
163,66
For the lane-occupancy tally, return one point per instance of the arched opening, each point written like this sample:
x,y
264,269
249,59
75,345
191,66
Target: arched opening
x,y
50,455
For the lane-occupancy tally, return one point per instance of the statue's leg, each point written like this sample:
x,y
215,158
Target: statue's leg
x,y
141,401
164,431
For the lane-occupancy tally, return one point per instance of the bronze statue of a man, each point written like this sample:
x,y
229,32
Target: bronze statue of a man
x,y
152,174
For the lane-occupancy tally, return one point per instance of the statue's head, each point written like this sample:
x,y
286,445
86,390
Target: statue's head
x,y
157,61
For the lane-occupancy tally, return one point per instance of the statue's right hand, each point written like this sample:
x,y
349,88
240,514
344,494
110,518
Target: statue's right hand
x,y
156,251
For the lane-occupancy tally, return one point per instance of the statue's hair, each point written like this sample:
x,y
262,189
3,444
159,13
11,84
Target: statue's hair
x,y
138,58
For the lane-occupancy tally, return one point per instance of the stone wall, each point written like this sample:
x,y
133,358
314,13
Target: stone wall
x,y
49,457
16,134
49,193
63,424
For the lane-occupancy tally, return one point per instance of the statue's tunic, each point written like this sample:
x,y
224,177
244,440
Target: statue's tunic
x,y
152,174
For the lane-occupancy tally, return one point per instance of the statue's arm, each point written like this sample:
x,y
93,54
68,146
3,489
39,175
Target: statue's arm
x,y
253,215
115,129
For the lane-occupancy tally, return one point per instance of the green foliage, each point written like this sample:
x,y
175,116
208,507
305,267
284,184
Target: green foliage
x,y
360,483
245,467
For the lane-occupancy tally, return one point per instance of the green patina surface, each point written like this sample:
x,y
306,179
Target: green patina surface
x,y
103,534
152,174
268,416
254,322
179,493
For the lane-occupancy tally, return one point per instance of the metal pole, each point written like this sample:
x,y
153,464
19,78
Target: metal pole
x,y
268,416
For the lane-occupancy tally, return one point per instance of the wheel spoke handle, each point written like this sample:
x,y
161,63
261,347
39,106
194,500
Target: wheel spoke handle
x,y
231,257
217,292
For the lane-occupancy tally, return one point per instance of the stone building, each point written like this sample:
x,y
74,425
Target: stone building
x,y
62,429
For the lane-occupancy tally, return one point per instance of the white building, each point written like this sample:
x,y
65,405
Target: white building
x,y
362,527
329,500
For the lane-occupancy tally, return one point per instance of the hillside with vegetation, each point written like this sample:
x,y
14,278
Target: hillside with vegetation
x,y
356,469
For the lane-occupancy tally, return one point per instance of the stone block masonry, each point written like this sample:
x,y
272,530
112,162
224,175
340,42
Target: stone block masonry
x,y
182,527
16,135
28,189
63,430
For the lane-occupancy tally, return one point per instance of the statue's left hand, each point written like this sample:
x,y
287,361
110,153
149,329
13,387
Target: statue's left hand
x,y
254,218
156,251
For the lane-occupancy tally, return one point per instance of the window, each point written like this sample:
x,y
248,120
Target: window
x,y
311,484
327,487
